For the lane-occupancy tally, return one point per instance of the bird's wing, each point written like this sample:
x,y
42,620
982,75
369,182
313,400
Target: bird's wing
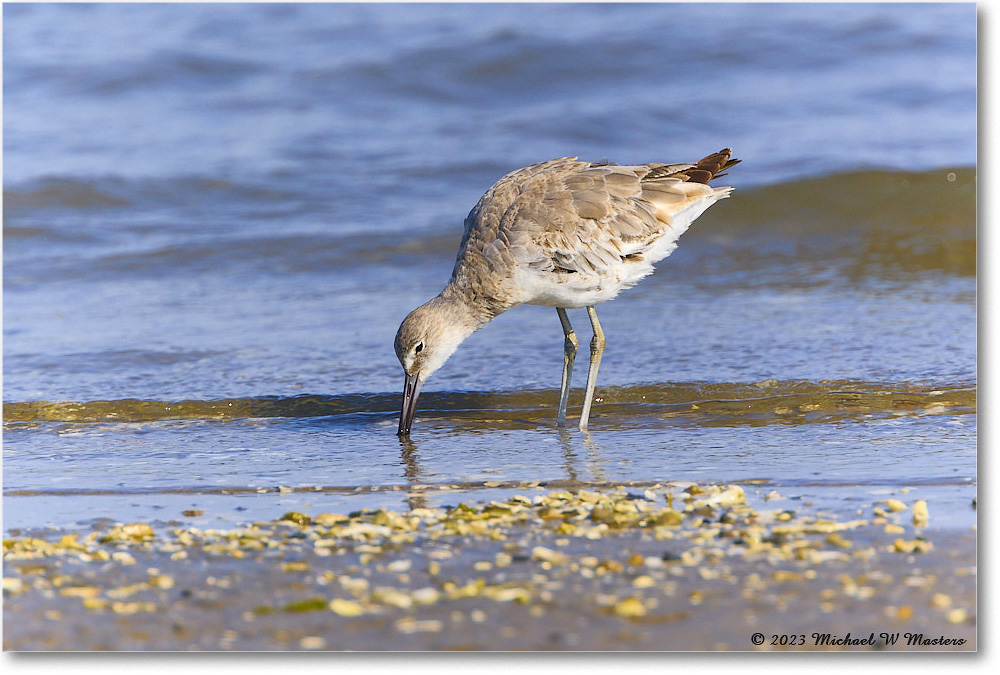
x,y
587,219
493,220
579,220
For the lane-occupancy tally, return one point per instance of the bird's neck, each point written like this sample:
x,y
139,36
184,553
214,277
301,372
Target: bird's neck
x,y
462,309
481,294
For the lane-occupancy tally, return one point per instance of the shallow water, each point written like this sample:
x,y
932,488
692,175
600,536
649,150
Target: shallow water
x,y
216,216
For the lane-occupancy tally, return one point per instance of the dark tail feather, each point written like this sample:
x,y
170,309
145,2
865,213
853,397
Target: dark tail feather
x,y
710,167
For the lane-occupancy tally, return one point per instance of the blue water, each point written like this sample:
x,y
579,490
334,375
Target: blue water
x,y
443,96
207,202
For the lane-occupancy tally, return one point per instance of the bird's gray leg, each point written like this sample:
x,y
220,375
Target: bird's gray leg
x,y
596,350
569,356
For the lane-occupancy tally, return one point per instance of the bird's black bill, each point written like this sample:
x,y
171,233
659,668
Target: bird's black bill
x,y
411,390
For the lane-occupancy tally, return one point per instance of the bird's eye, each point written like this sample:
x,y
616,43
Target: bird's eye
x,y
419,348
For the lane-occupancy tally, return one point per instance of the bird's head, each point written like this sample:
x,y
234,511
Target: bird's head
x,y
426,338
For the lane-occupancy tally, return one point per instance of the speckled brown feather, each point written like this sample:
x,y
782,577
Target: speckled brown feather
x,y
576,227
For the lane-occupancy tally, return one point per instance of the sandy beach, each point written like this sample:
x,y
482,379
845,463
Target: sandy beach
x,y
697,568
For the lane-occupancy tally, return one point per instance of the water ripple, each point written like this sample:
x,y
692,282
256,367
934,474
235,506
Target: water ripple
x,y
709,404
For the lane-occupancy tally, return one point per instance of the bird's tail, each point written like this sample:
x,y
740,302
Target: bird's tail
x,y
711,167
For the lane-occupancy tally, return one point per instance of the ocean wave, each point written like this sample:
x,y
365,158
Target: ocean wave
x,y
865,222
699,403
114,193
870,222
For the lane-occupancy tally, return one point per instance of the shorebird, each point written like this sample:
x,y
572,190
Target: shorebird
x,y
563,234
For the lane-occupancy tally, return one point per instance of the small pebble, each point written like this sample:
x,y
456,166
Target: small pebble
x,y
12,585
399,565
346,607
138,530
411,625
957,616
548,555
312,642
426,596
630,607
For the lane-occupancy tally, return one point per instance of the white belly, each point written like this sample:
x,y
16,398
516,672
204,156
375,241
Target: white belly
x,y
576,290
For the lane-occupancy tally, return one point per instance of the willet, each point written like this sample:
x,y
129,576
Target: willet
x,y
562,234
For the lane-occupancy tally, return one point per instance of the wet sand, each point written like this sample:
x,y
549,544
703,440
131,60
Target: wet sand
x,y
669,568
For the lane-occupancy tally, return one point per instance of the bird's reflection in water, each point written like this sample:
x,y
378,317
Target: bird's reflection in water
x,y
573,473
415,499
569,455
595,458
593,463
